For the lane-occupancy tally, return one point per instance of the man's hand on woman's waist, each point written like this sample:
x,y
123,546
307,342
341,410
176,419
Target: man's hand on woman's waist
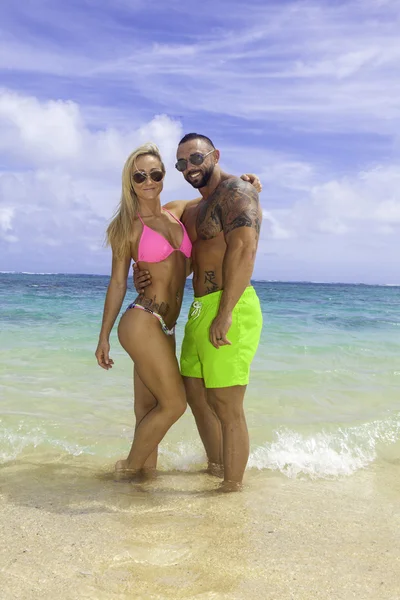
x,y
141,279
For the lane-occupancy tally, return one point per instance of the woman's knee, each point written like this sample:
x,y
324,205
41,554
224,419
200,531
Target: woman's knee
x,y
142,408
175,410
180,408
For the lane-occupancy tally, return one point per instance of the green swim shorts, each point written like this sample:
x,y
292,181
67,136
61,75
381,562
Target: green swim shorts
x,y
227,365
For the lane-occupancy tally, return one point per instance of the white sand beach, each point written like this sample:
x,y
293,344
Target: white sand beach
x,y
70,532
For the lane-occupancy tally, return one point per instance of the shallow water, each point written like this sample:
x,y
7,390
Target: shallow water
x,y
69,531
318,517
324,397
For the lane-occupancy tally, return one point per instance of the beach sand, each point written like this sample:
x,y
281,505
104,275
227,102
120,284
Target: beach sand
x,y
70,532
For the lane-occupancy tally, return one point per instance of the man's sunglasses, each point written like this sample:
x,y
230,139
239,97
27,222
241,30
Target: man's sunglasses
x,y
140,176
197,159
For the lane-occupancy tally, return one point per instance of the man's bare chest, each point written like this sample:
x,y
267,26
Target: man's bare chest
x,y
208,220
202,222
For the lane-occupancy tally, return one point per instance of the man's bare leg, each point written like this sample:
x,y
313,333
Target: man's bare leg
x,y
228,405
207,422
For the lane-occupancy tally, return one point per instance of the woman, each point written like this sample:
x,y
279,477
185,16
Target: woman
x,y
144,231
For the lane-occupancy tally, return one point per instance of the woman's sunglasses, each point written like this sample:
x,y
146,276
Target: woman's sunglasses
x,y
197,159
141,176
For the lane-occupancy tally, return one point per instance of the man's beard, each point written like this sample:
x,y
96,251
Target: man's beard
x,y
201,181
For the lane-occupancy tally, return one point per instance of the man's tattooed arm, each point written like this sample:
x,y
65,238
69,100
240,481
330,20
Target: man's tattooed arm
x,y
241,218
240,207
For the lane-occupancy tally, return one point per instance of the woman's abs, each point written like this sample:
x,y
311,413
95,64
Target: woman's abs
x,y
165,305
164,295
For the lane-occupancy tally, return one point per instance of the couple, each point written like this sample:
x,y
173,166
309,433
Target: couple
x,y
216,236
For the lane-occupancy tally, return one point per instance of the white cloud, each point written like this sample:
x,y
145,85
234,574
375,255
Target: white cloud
x,y
366,204
340,230
369,199
56,208
52,132
272,228
339,71
53,214
6,215
301,68
323,66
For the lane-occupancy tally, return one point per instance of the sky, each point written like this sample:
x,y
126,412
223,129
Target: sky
x,y
303,93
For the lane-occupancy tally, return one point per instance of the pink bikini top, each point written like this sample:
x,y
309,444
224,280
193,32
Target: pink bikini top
x,y
153,247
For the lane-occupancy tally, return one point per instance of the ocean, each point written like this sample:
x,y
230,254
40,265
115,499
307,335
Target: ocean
x,y
323,401
323,410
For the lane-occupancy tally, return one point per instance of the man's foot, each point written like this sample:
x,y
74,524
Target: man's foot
x,y
215,469
227,487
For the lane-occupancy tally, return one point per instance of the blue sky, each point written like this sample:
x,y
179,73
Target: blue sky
x,y
305,94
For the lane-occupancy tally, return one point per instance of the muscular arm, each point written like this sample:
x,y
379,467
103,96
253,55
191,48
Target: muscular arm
x,y
178,207
241,222
241,217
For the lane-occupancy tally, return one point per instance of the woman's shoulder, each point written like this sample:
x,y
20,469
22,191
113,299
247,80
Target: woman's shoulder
x,y
135,230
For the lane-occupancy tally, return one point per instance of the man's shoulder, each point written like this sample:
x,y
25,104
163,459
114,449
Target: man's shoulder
x,y
237,187
233,183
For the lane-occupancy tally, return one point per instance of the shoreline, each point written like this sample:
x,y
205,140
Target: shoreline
x,y
70,532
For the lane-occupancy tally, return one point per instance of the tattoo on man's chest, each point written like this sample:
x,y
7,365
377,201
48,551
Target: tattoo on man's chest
x,y
231,206
209,280
208,223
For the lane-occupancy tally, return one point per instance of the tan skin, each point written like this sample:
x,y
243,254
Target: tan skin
x,y
159,392
158,379
224,228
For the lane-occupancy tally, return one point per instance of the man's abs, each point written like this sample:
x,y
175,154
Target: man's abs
x,y
207,260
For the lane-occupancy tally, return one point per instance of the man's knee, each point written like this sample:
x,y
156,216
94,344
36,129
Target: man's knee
x,y
227,413
195,393
227,403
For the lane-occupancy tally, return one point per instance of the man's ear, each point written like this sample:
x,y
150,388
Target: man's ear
x,y
217,155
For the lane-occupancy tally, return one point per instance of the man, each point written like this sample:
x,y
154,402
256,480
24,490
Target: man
x,y
225,320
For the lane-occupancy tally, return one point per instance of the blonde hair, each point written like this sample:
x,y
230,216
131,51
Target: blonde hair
x,y
119,230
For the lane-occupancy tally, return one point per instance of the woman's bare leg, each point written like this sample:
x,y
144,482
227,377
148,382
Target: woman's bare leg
x,y
153,353
143,404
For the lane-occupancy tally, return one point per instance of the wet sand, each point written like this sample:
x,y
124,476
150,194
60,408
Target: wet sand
x,y
69,532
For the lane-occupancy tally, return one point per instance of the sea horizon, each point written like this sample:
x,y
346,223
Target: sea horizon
x,y
296,281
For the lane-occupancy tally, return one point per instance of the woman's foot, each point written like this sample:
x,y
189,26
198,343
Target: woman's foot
x,y
124,473
215,469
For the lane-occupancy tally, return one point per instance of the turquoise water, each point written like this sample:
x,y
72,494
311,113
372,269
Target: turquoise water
x,y
324,398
